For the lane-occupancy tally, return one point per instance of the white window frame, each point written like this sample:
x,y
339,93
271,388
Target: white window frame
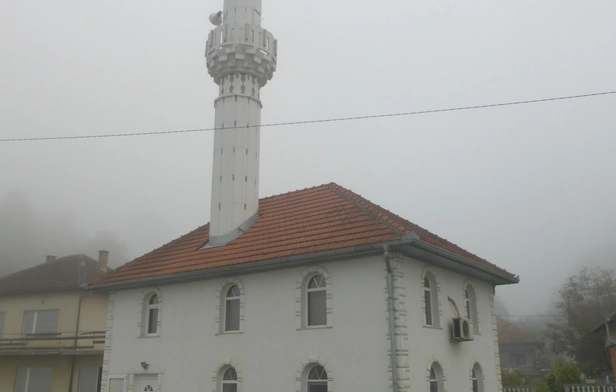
x,y
471,310
145,308
477,375
430,277
228,299
309,381
309,290
438,379
224,382
117,377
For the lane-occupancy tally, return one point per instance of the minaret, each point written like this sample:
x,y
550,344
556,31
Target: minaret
x,y
241,57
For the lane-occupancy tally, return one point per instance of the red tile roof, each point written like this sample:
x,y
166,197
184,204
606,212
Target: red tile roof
x,y
323,218
67,272
510,334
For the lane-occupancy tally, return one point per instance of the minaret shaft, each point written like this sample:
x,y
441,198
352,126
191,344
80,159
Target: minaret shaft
x,y
241,57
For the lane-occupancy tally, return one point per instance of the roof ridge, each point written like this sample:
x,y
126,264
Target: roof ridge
x,y
296,191
366,206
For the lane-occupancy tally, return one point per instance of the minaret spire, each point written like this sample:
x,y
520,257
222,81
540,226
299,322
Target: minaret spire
x,y
241,57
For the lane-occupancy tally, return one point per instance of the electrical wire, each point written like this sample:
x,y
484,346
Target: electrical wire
x,y
562,98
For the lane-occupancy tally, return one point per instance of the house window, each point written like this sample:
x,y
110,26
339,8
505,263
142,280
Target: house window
x,y
151,314
517,359
435,379
232,309
33,379
477,378
316,381
89,379
316,306
229,380
41,322
116,384
470,307
430,301
2,314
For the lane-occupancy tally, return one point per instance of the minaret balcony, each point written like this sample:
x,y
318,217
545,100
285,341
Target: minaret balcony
x,y
249,49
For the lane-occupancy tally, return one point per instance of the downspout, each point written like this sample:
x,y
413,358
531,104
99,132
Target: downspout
x,y
390,307
607,328
70,383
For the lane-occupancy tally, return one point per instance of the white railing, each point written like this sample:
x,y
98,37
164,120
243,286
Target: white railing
x,y
519,388
248,35
590,388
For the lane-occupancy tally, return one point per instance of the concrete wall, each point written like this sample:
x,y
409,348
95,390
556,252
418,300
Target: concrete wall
x,y
61,366
92,318
272,349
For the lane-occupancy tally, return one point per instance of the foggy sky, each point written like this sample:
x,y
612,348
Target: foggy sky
x,y
530,188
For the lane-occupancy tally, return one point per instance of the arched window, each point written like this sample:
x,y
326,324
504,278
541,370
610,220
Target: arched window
x,y
229,380
435,380
152,309
316,306
316,381
470,307
476,378
232,309
431,316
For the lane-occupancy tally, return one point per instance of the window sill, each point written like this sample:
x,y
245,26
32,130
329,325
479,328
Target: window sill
x,y
148,336
314,327
230,333
432,327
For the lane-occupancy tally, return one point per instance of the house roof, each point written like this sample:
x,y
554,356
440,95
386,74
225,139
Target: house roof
x,y
67,272
601,326
323,218
511,334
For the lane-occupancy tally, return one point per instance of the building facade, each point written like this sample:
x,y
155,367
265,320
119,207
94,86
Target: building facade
x,y
301,302
52,331
519,350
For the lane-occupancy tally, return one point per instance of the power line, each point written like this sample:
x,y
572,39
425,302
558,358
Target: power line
x,y
455,109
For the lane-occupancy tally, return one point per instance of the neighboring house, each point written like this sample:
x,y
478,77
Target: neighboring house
x,y
300,302
608,330
52,330
519,350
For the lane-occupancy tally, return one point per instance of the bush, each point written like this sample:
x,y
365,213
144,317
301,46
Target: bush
x,y
563,373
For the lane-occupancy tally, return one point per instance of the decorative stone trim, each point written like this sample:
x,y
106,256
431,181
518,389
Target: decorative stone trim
x,y
220,304
306,366
442,378
438,315
301,297
499,383
476,328
145,296
108,337
400,327
220,371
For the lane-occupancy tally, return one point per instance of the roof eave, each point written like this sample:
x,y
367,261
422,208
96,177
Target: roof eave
x,y
408,241
424,251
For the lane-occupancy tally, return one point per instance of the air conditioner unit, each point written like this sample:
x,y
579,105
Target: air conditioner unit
x,y
461,330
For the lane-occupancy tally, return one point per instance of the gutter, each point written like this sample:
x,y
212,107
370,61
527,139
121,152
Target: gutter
x,y
411,239
70,384
390,307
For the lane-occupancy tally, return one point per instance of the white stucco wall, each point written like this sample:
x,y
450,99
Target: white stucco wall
x,y
271,350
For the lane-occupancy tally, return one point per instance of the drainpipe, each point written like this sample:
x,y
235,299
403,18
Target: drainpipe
x,y
70,383
390,307
607,328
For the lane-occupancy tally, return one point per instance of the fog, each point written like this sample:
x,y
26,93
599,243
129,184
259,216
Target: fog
x,y
528,187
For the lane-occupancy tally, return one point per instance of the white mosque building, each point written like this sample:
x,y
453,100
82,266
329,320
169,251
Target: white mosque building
x,y
311,291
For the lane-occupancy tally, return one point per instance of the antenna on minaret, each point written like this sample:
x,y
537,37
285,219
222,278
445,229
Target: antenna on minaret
x,y
241,57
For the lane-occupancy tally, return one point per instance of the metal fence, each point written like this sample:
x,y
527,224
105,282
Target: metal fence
x,y
519,388
590,388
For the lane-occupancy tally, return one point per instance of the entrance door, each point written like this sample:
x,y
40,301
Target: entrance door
x,y
148,383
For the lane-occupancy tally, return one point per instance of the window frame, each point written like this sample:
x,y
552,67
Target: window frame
x,y
477,378
307,308
231,381
116,377
435,377
471,311
36,319
430,303
146,311
236,299
27,377
301,299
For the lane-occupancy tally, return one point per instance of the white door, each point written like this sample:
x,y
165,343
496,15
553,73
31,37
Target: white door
x,y
148,384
